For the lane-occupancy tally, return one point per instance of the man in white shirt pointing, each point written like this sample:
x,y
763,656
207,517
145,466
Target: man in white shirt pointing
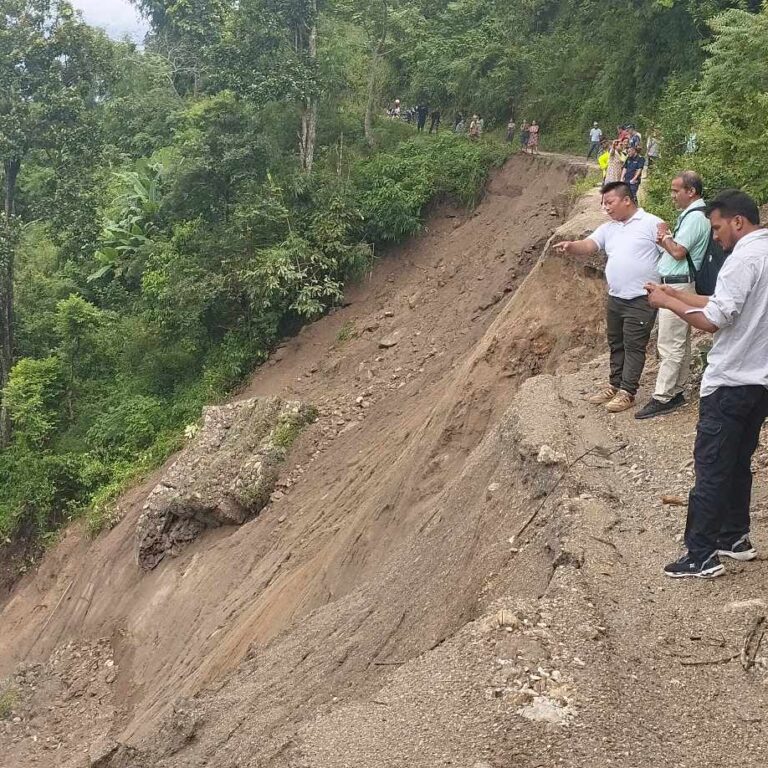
x,y
734,390
629,241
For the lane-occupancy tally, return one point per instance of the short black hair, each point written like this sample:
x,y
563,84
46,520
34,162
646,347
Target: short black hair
x,y
734,202
692,180
618,186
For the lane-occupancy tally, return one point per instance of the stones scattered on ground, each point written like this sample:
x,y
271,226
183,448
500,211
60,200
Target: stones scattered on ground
x,y
543,709
67,701
549,456
226,475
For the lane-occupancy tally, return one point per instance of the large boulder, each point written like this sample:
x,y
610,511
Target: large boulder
x,y
225,476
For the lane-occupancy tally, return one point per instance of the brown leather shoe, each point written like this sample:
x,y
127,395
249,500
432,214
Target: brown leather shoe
x,y
622,402
604,396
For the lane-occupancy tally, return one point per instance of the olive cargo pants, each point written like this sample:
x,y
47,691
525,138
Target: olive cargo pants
x,y
630,322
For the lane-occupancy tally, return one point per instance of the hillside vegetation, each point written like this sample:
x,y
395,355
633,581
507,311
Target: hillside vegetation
x,y
171,212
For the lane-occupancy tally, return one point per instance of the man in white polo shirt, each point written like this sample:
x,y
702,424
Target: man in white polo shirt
x,y
629,241
734,389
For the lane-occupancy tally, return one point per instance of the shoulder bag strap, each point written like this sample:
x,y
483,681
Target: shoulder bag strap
x,y
691,265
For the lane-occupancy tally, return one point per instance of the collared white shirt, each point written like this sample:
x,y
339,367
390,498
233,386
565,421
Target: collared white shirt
x,y
739,308
633,254
595,134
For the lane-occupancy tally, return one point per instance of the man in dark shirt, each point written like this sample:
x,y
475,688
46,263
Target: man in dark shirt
x,y
435,121
422,111
633,170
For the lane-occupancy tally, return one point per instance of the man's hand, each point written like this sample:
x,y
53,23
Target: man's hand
x,y
564,246
658,295
662,232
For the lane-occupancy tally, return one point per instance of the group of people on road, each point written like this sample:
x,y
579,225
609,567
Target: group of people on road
x,y
621,159
473,127
417,114
709,272
530,133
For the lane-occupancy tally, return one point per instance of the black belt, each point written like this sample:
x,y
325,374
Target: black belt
x,y
676,280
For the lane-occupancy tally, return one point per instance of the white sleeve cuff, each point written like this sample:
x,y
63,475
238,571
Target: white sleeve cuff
x,y
715,315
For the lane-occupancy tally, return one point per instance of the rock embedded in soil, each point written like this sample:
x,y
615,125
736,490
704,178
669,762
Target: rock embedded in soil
x,y
226,475
387,342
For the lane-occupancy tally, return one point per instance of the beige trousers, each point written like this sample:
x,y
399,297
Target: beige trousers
x,y
674,345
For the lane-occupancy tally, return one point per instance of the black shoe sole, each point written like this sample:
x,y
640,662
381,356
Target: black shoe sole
x,y
710,573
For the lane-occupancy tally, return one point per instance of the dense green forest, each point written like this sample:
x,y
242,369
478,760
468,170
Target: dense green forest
x,y
172,210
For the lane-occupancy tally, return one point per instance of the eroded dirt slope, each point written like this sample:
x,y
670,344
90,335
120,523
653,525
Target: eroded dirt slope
x,y
338,578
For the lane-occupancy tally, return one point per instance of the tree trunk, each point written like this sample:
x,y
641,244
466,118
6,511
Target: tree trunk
x,y
308,135
376,56
7,252
371,103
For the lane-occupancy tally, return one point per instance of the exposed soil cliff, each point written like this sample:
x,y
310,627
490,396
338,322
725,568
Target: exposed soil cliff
x,y
459,565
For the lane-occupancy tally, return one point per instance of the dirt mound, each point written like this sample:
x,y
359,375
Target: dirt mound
x,y
227,474
389,530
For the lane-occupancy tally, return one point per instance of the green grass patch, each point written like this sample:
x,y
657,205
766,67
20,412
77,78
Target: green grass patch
x,y
290,426
346,333
9,700
585,184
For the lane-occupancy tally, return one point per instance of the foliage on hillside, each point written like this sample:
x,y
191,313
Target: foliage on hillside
x,y
164,231
726,108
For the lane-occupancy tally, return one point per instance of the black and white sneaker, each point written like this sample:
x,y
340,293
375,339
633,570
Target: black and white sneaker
x,y
687,567
739,550
655,407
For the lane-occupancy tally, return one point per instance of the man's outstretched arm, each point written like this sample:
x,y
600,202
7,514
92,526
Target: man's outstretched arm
x,y
586,247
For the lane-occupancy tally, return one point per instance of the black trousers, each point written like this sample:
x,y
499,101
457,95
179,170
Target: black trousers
x,y
730,420
630,322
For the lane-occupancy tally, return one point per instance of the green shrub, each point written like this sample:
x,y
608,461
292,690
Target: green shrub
x,y
33,399
127,428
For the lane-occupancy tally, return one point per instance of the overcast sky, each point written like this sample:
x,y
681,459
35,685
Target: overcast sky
x,y
118,17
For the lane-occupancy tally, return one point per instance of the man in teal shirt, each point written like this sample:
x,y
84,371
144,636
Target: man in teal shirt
x,y
690,238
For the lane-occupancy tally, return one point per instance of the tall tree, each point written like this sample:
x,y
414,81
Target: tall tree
x,y
184,31
49,74
268,53
374,18
300,17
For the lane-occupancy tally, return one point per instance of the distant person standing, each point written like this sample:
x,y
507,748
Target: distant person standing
x,y
690,240
534,133
616,160
629,241
633,170
734,388
434,124
511,128
421,116
474,128
635,138
595,138
525,133
653,150
604,160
